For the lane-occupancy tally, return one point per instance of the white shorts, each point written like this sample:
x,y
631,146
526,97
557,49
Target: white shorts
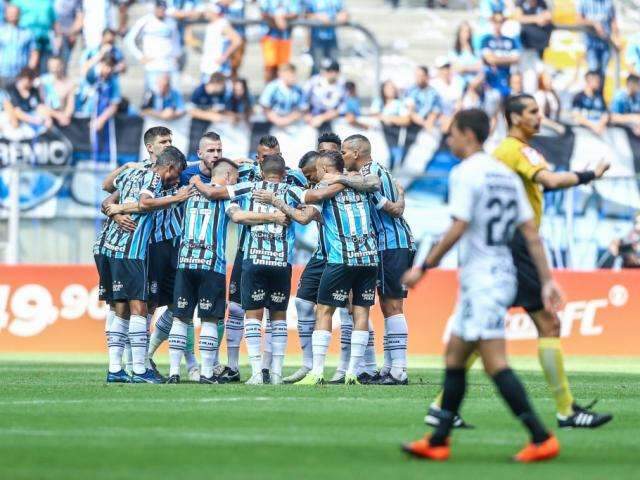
x,y
481,310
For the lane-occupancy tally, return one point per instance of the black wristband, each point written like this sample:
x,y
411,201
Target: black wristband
x,y
585,177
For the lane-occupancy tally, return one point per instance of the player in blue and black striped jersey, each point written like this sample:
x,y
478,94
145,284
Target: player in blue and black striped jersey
x,y
201,275
127,253
397,250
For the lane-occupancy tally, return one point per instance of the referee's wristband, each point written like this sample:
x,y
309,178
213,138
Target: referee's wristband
x,y
585,177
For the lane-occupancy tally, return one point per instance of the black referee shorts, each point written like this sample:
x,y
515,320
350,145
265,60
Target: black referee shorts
x,y
529,295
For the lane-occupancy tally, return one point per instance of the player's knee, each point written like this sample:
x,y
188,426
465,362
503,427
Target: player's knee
x,y
235,311
137,307
304,308
391,307
548,323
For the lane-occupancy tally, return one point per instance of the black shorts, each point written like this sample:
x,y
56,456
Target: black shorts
x,y
393,264
338,280
310,280
236,278
529,295
104,277
265,286
163,263
128,279
205,289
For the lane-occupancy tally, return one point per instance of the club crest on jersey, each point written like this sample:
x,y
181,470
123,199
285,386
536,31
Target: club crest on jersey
x,y
153,287
258,295
368,295
340,295
116,286
182,302
204,304
277,297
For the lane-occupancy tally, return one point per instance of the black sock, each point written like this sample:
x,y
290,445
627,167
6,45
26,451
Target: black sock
x,y
514,394
455,384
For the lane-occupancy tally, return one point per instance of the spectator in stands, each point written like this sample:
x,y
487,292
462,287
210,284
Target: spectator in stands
x,y
17,47
160,39
107,48
23,103
499,53
234,10
220,41
123,15
99,95
276,44
488,8
324,40
625,108
480,95
389,108
101,15
589,107
70,22
450,89
325,94
241,103
516,84
422,101
210,101
536,27
548,102
39,17
351,106
632,53
58,90
600,15
465,62
181,11
163,102
628,247
284,102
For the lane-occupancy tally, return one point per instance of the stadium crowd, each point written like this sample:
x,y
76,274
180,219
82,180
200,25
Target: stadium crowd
x,y
500,54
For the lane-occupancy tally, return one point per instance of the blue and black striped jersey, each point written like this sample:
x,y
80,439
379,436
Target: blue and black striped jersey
x,y
119,243
322,250
268,244
348,230
167,223
392,232
99,243
204,235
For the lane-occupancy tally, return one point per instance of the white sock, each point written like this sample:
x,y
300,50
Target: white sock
x,y
252,335
279,343
397,344
138,339
359,339
147,364
177,345
216,354
320,341
161,333
115,341
235,329
127,357
208,347
189,351
346,327
306,324
267,351
109,316
386,366
369,363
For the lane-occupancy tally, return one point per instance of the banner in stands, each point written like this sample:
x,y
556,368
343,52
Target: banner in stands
x,y
55,309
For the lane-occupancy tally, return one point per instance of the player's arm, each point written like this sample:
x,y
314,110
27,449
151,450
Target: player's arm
x,y
394,209
557,180
551,294
361,183
108,182
210,191
149,203
244,217
125,221
303,216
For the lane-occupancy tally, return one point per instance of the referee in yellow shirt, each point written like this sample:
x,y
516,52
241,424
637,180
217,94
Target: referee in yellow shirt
x,y
523,120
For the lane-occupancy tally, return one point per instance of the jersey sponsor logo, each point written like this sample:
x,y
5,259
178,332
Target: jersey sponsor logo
x,y
258,295
204,304
340,295
117,286
182,302
269,263
278,297
534,157
196,261
365,253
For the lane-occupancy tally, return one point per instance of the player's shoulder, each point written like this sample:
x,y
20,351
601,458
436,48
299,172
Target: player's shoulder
x,y
511,151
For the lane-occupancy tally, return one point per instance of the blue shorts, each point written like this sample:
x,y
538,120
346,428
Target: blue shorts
x,y
128,279
265,286
338,280
205,289
310,280
393,263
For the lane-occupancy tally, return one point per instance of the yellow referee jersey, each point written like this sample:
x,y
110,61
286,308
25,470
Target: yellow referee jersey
x,y
526,161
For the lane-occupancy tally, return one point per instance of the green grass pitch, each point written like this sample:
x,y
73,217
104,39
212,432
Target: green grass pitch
x,y
58,420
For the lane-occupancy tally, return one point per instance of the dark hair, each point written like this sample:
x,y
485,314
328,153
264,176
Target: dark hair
x,y
473,119
308,158
329,137
217,77
334,158
457,46
171,156
222,161
515,104
360,140
211,135
591,73
385,83
109,60
27,72
273,164
155,132
242,104
269,141
108,30
350,87
424,69
633,78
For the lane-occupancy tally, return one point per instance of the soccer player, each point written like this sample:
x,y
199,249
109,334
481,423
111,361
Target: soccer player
x,y
351,267
487,203
396,250
202,268
127,252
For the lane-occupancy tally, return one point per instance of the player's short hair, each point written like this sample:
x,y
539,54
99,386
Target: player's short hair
x,y
308,158
155,132
515,104
269,141
473,119
361,142
273,164
333,158
222,162
633,78
171,156
213,136
330,137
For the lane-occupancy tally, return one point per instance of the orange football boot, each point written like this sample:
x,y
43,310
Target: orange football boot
x,y
533,452
422,449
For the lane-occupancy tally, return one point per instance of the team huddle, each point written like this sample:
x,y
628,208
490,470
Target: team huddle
x,y
165,244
